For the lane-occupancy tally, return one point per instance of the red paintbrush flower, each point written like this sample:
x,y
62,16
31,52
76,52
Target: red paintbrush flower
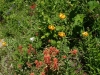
x,y
33,6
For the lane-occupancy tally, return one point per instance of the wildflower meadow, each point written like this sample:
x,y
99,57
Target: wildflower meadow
x,y
49,37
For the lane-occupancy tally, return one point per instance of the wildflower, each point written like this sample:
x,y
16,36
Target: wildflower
x,y
20,47
32,39
46,51
33,6
61,34
31,73
2,43
62,16
51,27
64,56
38,64
29,51
85,34
55,63
47,59
56,51
43,73
74,52
51,50
36,61
55,60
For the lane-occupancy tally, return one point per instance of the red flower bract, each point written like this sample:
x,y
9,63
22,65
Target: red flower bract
x,y
31,73
33,6
64,56
38,63
55,64
74,52
43,73
47,59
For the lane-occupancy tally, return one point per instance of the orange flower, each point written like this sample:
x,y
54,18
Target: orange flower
x,y
85,34
52,49
37,63
31,73
62,16
51,27
61,34
64,56
46,51
43,73
20,47
56,51
74,52
55,63
29,51
55,60
47,59
40,63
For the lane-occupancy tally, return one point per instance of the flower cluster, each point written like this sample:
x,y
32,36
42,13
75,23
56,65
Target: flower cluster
x,y
50,61
38,63
31,50
74,52
50,57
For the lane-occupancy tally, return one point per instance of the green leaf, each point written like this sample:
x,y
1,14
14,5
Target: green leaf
x,y
58,28
78,19
42,37
38,45
53,42
92,5
47,34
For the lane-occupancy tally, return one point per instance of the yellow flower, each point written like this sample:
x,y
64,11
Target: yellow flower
x,y
62,16
4,44
61,34
85,34
51,27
